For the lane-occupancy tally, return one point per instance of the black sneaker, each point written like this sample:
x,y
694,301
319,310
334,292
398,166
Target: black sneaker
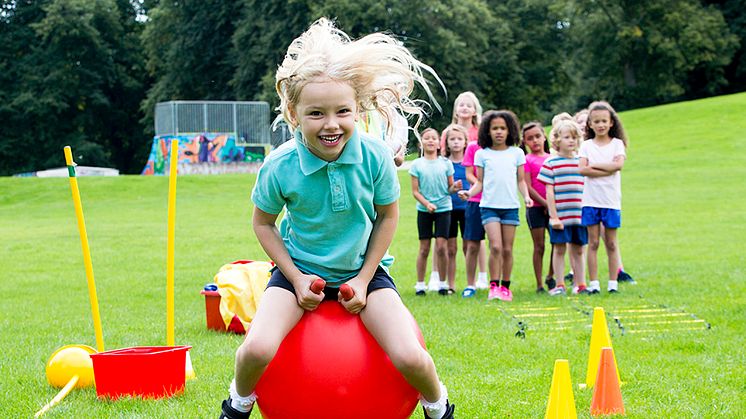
x,y
569,277
625,277
551,283
450,408
229,412
443,291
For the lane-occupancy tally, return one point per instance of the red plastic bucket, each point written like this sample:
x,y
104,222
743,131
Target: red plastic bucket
x,y
146,371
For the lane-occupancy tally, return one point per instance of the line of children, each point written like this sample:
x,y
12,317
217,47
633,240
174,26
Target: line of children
x,y
502,170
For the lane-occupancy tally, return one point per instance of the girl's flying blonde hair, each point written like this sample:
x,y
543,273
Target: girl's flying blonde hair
x,y
381,71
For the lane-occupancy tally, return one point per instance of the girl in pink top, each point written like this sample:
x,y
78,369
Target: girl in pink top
x,y
537,150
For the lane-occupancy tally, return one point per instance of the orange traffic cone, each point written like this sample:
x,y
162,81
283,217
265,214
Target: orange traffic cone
x,y
561,403
607,397
600,338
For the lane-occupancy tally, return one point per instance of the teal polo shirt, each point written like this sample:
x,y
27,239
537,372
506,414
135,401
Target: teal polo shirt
x,y
432,177
329,206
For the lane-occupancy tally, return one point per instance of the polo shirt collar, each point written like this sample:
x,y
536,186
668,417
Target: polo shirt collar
x,y
309,163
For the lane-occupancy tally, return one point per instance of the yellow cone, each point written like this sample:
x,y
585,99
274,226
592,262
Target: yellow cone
x,y
561,404
599,338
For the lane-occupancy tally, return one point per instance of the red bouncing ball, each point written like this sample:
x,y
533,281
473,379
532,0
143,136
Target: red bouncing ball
x,y
330,367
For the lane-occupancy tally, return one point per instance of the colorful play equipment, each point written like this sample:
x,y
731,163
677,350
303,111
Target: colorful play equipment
x,y
139,371
331,363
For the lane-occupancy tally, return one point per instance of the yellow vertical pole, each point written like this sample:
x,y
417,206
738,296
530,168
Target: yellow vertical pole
x,y
174,162
86,250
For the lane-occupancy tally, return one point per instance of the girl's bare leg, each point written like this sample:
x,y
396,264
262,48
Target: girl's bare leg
x,y
452,253
593,243
390,323
494,235
422,255
612,252
538,238
508,237
277,314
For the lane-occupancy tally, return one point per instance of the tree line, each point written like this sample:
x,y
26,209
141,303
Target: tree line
x,y
88,73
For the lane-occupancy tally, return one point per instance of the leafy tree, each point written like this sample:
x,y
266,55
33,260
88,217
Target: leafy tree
x,y
72,71
188,48
638,53
734,12
263,33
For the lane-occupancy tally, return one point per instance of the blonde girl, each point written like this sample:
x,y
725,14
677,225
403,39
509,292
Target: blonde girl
x,y
456,139
340,194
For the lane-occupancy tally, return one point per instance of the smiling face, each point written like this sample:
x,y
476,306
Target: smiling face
x,y
499,133
326,113
534,139
600,122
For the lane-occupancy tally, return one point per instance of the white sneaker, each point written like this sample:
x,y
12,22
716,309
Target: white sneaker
x,y
420,288
613,286
482,284
434,284
594,287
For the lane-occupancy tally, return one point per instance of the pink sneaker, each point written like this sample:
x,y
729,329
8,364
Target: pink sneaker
x,y
494,292
505,294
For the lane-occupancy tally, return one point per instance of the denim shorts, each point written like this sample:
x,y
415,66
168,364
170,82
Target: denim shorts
x,y
473,231
537,217
574,234
507,216
611,218
381,279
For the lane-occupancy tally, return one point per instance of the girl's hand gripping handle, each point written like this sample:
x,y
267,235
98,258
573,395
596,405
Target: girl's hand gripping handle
x,y
317,286
347,292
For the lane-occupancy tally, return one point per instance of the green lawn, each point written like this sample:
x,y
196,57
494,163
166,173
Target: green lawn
x,y
682,239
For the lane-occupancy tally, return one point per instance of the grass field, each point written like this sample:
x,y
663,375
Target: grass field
x,y
682,239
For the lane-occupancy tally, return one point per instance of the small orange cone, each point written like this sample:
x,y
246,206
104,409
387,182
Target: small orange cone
x,y
607,397
561,404
599,338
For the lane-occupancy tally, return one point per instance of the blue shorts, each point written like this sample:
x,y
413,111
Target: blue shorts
x,y
611,218
473,229
500,215
380,280
574,234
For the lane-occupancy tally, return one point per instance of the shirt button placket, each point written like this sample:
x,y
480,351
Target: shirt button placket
x,y
335,182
